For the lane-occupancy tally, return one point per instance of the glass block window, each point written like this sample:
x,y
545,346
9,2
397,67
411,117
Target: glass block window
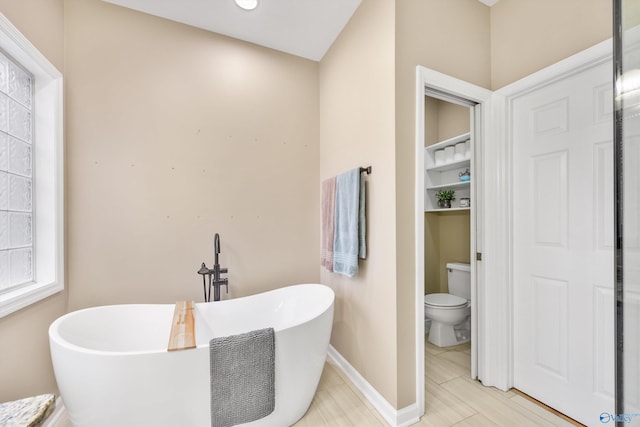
x,y
16,175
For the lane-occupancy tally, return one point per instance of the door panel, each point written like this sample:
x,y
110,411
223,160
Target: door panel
x,y
563,244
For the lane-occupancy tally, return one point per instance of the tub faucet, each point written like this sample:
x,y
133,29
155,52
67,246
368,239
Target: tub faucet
x,y
214,274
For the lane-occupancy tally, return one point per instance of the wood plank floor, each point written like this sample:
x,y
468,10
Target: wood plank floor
x,y
452,398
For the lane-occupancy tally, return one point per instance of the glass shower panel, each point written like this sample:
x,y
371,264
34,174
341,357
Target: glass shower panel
x,y
627,163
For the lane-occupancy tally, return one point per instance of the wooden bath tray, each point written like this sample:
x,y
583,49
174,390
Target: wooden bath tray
x,y
182,327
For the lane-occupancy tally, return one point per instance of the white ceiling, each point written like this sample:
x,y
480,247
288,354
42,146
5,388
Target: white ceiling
x,y
489,2
305,28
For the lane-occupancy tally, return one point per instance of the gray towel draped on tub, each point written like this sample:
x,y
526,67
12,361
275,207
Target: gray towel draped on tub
x,y
242,377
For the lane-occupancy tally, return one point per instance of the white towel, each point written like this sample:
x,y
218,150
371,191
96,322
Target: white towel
x,y
345,239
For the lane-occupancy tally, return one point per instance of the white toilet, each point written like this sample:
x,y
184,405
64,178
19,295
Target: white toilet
x,y
450,313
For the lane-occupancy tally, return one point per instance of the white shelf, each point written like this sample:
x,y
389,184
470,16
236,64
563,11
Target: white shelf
x,y
449,166
447,209
461,184
450,141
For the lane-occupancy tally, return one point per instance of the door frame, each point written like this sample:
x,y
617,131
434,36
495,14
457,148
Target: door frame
x,y
492,302
452,89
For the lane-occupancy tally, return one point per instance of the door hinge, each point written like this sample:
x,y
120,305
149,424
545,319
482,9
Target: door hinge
x,y
478,256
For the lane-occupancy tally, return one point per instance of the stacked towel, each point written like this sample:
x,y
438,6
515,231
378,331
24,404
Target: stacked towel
x,y
344,223
242,377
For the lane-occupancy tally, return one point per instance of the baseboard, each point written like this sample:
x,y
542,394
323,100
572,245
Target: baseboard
x,y
55,418
396,418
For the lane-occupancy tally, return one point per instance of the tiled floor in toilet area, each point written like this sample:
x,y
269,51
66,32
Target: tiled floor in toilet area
x,y
452,399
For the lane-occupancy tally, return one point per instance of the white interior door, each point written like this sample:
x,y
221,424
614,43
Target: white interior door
x,y
563,243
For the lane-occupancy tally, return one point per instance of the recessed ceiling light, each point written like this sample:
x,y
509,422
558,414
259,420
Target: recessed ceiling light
x,y
247,4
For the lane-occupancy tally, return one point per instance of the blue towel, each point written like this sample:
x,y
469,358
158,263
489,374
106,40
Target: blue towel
x,y
345,238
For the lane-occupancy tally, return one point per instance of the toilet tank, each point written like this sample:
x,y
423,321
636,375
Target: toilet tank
x,y
459,279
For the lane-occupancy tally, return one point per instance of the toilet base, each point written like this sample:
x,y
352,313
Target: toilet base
x,y
443,335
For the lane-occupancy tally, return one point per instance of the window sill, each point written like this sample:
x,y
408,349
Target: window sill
x,y
15,300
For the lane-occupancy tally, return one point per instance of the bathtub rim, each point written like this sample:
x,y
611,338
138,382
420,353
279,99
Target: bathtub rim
x,y
55,338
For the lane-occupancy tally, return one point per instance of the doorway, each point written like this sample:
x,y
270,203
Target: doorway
x,y
447,216
462,107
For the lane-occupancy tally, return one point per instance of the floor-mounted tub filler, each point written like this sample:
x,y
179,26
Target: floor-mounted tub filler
x,y
113,368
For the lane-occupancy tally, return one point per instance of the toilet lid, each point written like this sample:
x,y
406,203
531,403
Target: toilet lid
x,y
444,300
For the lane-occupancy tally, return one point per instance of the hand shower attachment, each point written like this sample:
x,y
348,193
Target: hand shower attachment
x,y
214,274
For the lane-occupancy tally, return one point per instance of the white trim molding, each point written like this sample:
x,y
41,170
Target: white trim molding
x,y
395,417
494,298
48,196
466,92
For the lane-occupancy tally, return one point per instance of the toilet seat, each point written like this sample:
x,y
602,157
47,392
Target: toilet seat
x,y
444,301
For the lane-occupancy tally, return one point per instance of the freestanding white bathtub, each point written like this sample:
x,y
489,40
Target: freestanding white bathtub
x,y
113,369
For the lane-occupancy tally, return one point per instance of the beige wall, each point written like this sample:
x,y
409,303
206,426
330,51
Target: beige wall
x,y
431,253
44,29
455,242
176,134
453,120
357,129
527,36
431,220
26,363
